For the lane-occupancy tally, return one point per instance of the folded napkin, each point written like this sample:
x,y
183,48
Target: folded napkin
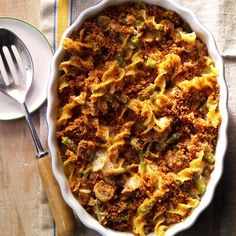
x,y
217,16
57,15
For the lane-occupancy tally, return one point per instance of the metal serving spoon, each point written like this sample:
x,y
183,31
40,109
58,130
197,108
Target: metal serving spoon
x,y
16,74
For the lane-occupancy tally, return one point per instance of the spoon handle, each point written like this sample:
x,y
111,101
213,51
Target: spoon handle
x,y
62,213
37,143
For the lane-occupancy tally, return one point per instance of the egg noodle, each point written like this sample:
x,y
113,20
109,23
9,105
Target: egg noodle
x,y
137,117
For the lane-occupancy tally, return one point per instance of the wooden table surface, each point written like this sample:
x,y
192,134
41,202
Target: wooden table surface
x,y
19,178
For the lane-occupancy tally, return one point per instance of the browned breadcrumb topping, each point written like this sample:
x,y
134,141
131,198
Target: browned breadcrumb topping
x,y
137,117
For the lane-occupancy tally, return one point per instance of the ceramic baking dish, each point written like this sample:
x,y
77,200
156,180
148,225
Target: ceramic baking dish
x,y
208,39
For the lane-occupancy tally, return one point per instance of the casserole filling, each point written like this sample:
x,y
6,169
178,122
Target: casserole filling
x,y
137,118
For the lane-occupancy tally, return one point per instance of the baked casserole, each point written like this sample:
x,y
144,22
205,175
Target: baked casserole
x,y
138,117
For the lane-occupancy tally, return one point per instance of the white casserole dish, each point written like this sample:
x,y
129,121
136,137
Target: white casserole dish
x,y
208,39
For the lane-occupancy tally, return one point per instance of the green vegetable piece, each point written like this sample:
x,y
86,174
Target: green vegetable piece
x,y
66,140
147,153
135,41
154,95
68,143
206,171
101,215
140,23
201,187
87,171
148,150
209,157
175,136
141,156
150,63
195,196
137,146
142,165
146,206
121,60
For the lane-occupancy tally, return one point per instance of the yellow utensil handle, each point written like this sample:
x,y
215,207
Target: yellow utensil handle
x,y
62,213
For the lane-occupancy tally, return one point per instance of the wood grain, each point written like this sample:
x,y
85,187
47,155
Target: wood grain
x,y
22,9
19,177
19,180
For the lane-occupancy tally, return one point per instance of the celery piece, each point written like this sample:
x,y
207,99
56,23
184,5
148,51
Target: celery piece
x,y
120,60
146,206
150,63
101,215
68,143
135,41
142,165
174,137
201,187
87,171
209,157
65,140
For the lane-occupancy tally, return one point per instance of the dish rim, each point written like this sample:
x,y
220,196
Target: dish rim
x,y
222,140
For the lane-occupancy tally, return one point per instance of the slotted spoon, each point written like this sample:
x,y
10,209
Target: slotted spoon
x,y
16,69
16,74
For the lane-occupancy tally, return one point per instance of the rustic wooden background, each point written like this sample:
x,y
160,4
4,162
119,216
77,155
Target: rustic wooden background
x,y
20,184
19,178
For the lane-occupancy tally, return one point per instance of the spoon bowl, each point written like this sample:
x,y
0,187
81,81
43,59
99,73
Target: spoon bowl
x,y
16,66
16,74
